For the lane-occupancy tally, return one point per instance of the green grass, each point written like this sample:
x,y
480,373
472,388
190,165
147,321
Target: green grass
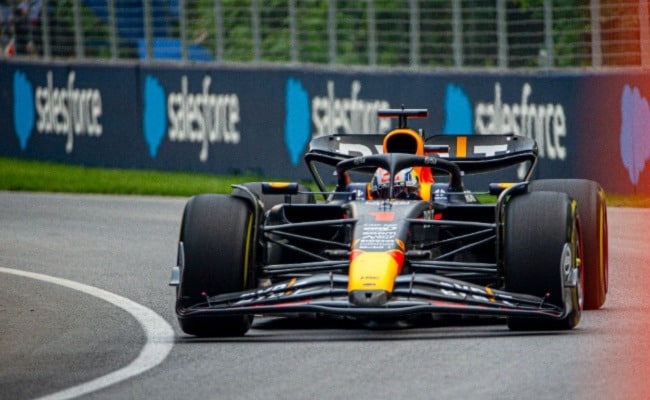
x,y
26,175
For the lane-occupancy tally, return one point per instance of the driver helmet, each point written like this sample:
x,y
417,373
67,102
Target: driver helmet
x,y
407,184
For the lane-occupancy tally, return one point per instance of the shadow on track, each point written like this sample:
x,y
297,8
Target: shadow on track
x,y
327,329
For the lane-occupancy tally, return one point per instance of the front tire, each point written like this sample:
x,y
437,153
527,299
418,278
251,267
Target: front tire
x,y
541,247
216,236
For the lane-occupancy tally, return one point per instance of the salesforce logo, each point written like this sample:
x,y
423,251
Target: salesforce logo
x,y
66,111
297,120
195,117
635,143
545,123
154,124
331,114
327,115
23,108
458,112
308,118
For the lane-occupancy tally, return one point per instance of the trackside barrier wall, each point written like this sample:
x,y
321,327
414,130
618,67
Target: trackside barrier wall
x,y
227,120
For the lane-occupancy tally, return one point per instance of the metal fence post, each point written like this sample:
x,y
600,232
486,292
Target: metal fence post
x,y
218,18
293,37
255,29
372,33
148,36
45,30
112,29
548,33
502,35
331,29
78,31
644,31
596,49
457,32
182,24
414,11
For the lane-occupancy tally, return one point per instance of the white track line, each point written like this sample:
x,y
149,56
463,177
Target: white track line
x,y
160,336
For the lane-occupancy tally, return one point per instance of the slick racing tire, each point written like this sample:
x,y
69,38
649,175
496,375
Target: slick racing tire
x,y
592,210
216,236
269,200
540,257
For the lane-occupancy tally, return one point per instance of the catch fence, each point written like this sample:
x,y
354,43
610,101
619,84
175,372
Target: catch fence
x,y
416,34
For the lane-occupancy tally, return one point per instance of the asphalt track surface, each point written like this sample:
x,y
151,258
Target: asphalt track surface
x,y
85,311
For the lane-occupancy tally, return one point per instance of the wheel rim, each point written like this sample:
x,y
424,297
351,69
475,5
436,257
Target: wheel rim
x,y
572,276
581,281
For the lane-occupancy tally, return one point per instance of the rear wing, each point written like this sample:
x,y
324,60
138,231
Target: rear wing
x,y
473,153
484,153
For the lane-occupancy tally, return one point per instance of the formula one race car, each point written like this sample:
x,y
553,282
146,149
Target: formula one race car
x,y
407,240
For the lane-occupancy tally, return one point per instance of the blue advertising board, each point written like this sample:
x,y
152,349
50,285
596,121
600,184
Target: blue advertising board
x,y
83,114
226,120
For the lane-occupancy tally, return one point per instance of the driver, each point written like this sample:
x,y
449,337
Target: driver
x,y
407,185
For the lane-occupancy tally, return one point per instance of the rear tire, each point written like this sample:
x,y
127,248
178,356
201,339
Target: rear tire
x,y
541,249
216,235
592,209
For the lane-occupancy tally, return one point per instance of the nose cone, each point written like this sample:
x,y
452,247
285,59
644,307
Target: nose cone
x,y
372,276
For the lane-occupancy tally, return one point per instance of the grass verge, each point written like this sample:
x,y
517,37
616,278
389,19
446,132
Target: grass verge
x,y
27,175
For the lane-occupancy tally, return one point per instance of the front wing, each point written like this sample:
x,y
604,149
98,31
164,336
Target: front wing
x,y
416,293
